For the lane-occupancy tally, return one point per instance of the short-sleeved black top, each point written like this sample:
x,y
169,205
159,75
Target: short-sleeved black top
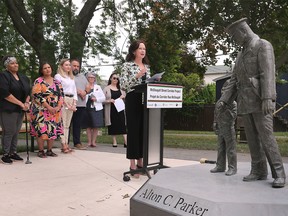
x,y
18,88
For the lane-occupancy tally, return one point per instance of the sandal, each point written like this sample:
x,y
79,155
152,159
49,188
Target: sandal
x,y
41,154
135,175
141,167
51,153
65,150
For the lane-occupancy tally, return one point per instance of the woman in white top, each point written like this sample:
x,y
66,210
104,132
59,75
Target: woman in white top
x,y
65,76
94,110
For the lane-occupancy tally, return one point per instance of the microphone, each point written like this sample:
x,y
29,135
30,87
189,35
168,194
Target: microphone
x,y
204,160
143,78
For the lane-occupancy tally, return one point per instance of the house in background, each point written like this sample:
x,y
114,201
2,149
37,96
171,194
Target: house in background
x,y
215,71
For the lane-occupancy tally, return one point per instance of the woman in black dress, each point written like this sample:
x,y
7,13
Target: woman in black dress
x,y
113,119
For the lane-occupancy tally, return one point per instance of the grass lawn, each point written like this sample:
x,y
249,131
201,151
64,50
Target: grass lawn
x,y
192,140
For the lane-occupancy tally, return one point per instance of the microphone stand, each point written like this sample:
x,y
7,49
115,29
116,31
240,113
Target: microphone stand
x,y
27,145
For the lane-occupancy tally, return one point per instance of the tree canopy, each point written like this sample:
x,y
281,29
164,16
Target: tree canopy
x,y
176,31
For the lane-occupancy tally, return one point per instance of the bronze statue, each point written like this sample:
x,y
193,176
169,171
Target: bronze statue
x,y
253,80
224,121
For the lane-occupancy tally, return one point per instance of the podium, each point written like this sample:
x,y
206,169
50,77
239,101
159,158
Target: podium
x,y
155,97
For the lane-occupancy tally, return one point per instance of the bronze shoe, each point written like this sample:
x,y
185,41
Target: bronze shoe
x,y
254,177
278,183
231,172
217,169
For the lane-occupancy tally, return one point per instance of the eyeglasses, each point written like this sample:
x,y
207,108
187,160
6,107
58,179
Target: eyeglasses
x,y
91,77
115,78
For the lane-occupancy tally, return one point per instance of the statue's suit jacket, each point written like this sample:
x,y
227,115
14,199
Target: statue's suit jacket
x,y
253,77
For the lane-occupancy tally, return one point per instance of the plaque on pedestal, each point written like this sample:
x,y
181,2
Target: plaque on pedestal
x,y
193,190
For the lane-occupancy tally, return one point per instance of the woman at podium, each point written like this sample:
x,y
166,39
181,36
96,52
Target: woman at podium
x,y
133,72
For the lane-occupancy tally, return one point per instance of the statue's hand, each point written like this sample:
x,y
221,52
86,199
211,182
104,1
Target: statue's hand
x,y
267,106
215,128
220,105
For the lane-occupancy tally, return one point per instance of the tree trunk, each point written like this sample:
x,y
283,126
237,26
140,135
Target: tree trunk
x,y
77,37
31,29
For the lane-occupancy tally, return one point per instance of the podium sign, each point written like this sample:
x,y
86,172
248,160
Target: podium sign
x,y
155,97
164,96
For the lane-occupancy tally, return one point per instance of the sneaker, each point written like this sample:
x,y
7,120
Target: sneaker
x,y
16,157
6,159
51,153
80,147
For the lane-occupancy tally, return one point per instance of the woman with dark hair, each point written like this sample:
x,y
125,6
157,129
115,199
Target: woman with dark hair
x,y
47,100
134,71
113,119
14,99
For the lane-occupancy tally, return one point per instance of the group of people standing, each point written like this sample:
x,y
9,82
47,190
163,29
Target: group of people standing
x,y
53,103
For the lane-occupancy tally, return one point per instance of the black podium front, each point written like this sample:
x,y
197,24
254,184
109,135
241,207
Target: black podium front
x,y
155,97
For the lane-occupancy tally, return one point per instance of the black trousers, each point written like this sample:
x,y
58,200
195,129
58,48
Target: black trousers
x,y
134,117
77,124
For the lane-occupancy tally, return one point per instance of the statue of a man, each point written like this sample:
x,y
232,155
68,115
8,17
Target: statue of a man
x,y
253,79
224,121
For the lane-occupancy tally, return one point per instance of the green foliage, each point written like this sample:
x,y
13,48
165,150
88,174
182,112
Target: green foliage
x,y
190,84
52,30
206,95
176,32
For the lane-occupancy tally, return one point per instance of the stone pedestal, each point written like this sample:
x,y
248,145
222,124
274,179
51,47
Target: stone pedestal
x,y
193,190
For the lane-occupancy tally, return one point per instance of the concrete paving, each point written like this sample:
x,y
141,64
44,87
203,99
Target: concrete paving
x,y
83,183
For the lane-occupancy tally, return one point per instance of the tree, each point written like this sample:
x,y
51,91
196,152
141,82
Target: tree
x,y
175,30
37,23
268,19
52,30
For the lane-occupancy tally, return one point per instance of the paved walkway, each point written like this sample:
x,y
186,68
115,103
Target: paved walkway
x,y
83,183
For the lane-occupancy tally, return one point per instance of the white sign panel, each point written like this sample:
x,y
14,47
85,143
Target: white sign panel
x,y
164,96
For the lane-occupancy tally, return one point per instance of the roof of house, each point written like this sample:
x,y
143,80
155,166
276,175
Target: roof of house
x,y
217,69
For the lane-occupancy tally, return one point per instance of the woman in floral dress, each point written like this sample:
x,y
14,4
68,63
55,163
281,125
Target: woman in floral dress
x,y
47,100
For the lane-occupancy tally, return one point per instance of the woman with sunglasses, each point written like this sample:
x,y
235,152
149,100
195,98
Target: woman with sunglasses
x,y
113,119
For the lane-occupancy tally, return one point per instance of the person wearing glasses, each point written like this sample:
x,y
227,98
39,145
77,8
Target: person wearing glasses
x,y
133,72
94,110
66,77
113,119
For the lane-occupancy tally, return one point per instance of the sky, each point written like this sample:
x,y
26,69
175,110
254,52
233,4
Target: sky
x,y
103,67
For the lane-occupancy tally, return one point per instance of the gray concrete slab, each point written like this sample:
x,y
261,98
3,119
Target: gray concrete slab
x,y
193,190
81,183
86,182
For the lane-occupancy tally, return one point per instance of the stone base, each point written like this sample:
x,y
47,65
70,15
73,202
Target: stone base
x,y
193,190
